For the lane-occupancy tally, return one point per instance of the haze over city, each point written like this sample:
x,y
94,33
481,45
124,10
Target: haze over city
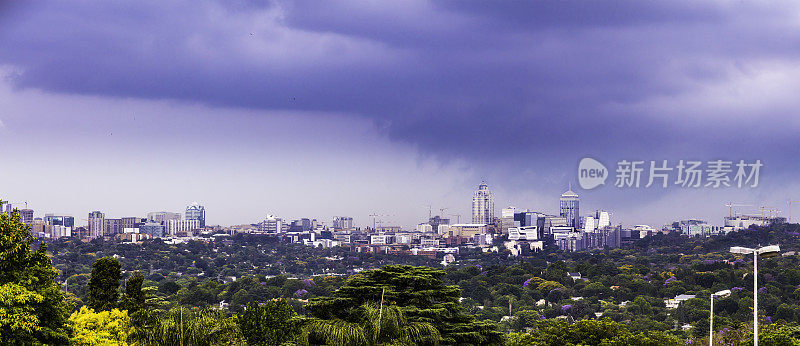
x,y
286,109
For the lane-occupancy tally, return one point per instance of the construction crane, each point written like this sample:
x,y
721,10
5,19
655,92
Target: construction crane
x,y
373,220
441,211
731,205
770,210
376,217
790,209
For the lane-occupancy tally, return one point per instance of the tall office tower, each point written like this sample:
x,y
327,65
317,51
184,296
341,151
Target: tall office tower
x,y
163,216
5,207
603,219
26,216
96,224
507,219
483,205
589,224
570,208
342,222
196,212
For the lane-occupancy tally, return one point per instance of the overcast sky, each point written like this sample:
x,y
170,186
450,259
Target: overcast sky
x,y
316,109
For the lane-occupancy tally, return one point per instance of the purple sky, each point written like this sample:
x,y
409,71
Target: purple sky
x,y
316,109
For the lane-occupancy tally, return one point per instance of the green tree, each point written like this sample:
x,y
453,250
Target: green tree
x,y
32,307
180,326
378,325
104,284
134,299
100,328
271,323
589,332
421,295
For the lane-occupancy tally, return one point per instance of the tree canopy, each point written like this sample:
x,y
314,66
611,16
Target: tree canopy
x,y
32,308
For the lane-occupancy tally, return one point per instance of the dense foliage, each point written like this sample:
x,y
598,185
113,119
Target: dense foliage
x,y
254,290
32,307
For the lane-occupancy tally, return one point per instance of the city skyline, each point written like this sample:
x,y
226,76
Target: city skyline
x,y
483,209
281,108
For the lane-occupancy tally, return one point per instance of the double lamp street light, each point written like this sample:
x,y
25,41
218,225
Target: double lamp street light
x,y
763,252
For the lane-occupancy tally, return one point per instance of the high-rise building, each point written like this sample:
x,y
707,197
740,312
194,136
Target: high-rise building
x,y
162,216
96,224
196,212
112,227
301,225
342,222
570,208
272,224
482,205
603,219
26,216
130,222
59,220
507,219
154,229
179,227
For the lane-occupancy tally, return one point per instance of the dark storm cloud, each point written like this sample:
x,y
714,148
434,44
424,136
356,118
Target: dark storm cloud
x,y
514,84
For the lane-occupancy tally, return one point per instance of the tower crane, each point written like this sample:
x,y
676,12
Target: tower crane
x,y
732,205
770,210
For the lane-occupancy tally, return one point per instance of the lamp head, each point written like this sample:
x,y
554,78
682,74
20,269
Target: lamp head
x,y
769,251
722,294
741,250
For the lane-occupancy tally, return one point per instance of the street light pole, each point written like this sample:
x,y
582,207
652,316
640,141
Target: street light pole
x,y
765,252
711,324
755,297
720,294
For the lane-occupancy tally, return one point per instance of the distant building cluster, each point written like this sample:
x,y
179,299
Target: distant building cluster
x,y
520,231
160,224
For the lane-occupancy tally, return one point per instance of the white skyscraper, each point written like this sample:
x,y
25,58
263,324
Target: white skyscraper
x,y
482,205
603,219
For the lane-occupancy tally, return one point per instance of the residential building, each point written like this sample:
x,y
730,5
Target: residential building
x,y
96,224
112,227
130,222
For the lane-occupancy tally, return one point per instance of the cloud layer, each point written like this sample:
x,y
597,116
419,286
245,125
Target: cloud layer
x,y
519,90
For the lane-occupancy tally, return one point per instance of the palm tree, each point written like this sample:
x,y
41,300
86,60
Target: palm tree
x,y
182,327
378,325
